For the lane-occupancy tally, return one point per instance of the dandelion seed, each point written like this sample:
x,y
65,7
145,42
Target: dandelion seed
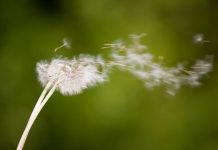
x,y
137,37
66,43
199,39
118,45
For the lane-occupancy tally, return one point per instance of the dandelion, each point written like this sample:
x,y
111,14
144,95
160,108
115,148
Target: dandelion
x,y
69,76
72,76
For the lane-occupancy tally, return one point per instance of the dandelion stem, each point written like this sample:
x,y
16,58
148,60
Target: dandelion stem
x,y
38,107
42,96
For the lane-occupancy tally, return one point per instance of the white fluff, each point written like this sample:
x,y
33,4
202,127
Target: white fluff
x,y
74,75
77,74
136,59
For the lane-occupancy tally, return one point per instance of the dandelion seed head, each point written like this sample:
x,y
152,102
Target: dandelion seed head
x,y
75,75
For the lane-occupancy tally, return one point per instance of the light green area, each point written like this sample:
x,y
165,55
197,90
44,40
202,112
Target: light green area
x,y
121,114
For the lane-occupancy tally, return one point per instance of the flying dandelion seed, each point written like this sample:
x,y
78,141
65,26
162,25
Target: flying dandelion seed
x,y
199,39
65,43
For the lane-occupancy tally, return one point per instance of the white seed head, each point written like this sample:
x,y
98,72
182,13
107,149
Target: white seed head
x,y
74,75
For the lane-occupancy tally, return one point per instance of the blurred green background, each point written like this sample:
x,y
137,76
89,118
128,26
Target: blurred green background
x,y
121,114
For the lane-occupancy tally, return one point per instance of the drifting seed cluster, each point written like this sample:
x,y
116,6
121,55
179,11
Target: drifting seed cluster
x,y
75,75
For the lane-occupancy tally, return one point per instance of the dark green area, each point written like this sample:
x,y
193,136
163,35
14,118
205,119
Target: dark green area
x,y
121,114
